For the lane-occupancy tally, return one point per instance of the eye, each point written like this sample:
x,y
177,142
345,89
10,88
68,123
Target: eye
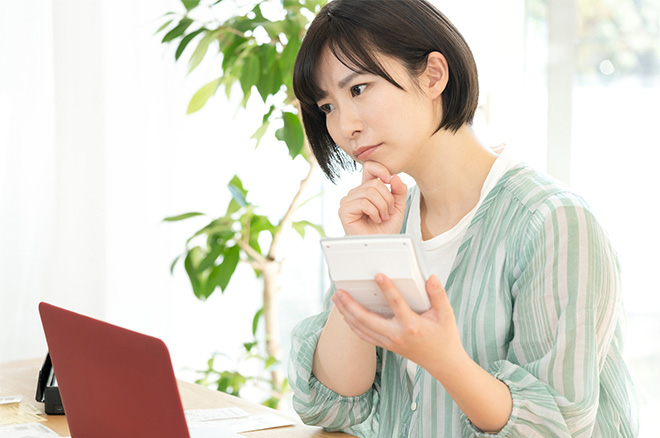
x,y
326,108
356,90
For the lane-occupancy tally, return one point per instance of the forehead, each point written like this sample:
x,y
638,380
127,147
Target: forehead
x,y
330,71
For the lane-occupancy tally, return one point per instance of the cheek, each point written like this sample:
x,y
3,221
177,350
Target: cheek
x,y
331,127
333,130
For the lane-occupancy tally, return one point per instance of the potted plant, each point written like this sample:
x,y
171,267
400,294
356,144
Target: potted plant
x,y
258,52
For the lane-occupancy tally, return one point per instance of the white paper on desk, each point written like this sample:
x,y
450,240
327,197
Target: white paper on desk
x,y
212,432
10,399
27,430
198,415
250,422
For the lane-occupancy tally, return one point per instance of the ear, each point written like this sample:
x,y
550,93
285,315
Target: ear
x,y
436,74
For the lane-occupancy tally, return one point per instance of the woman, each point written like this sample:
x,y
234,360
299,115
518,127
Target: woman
x,y
523,337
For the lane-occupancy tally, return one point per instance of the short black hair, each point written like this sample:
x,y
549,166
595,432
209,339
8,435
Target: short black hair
x,y
357,31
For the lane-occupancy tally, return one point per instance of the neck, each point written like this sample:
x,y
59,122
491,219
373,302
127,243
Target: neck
x,y
450,178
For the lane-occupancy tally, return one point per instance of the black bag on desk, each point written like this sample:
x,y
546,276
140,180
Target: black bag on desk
x,y
47,390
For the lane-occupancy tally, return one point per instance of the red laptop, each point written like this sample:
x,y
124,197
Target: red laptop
x,y
114,382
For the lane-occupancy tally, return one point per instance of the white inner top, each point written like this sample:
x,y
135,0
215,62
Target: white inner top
x,y
440,251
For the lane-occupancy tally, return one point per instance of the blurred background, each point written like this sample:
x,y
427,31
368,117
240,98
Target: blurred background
x,y
96,149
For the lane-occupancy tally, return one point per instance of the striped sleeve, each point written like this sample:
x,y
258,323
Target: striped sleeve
x,y
566,300
314,402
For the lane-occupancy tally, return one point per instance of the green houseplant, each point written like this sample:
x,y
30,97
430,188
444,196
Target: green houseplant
x,y
258,44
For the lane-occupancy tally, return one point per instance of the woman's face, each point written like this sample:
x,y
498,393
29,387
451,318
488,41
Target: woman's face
x,y
371,119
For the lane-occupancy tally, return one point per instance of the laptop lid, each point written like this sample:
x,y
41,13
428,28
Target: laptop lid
x,y
114,382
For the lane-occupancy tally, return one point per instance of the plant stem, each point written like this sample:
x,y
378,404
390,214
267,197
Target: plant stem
x,y
287,218
271,275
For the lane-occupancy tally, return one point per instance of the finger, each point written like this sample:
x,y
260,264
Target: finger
x,y
394,298
373,170
377,193
346,304
399,192
437,294
377,186
370,337
357,316
356,209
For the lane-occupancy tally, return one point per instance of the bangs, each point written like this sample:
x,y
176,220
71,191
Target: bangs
x,y
351,47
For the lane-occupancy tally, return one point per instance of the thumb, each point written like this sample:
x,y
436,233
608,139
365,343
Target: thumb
x,y
437,294
399,191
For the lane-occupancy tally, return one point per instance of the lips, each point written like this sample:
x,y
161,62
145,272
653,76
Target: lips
x,y
363,152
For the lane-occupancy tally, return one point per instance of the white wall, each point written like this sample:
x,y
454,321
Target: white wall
x,y
95,150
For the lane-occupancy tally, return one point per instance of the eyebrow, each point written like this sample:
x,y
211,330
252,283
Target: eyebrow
x,y
347,79
341,84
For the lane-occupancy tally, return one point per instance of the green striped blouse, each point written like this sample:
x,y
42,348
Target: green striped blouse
x,y
536,293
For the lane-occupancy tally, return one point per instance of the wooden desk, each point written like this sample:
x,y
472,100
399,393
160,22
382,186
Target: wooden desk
x,y
20,377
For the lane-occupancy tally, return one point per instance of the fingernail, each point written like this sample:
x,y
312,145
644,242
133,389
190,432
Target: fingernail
x,y
380,278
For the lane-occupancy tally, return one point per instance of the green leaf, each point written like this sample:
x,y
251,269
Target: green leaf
x,y
200,50
178,29
182,216
254,243
270,362
230,51
275,28
190,4
250,74
231,382
302,225
265,123
232,208
300,228
269,82
202,95
245,99
287,61
291,133
255,321
285,385
267,115
185,41
237,191
221,226
267,54
210,258
191,262
173,264
289,53
270,79
226,269
167,23
272,402
259,133
249,346
259,223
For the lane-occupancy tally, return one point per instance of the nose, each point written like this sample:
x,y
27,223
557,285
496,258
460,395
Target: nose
x,y
350,122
